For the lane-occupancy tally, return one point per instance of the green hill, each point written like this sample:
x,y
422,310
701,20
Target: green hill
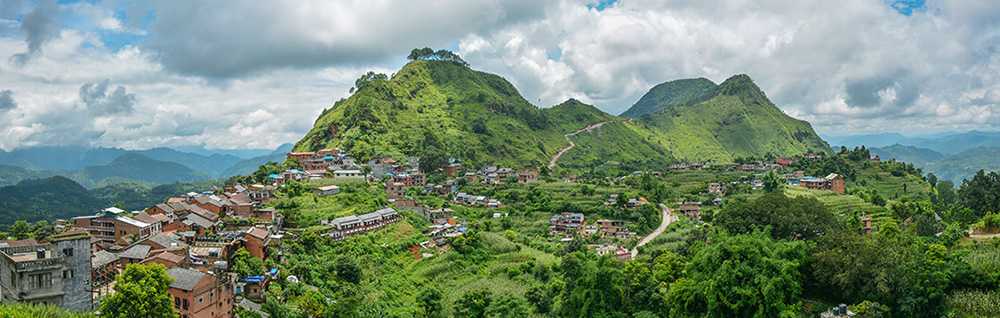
x,y
137,168
441,109
436,108
46,199
733,120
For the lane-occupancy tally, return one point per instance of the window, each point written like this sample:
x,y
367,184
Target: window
x,y
177,302
184,304
68,251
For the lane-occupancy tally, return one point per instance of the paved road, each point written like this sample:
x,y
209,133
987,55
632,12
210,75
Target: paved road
x,y
667,219
555,159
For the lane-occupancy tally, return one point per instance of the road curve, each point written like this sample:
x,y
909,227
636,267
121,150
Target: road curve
x,y
555,159
667,219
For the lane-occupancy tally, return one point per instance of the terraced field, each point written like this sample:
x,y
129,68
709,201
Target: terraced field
x,y
841,204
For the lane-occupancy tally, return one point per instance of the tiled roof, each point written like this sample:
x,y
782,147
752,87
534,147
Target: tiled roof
x,y
136,252
167,240
102,258
185,279
258,232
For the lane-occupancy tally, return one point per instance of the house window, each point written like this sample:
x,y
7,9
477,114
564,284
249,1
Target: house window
x,y
184,304
177,302
68,251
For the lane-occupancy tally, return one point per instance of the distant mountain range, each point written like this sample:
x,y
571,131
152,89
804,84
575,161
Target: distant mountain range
x,y
952,167
96,167
945,143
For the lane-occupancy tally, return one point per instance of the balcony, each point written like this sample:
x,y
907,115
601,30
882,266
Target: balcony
x,y
39,264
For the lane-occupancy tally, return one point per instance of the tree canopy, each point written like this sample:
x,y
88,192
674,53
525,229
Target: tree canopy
x,y
140,292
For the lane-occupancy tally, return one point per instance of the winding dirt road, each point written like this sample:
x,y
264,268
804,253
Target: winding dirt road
x,y
667,219
555,159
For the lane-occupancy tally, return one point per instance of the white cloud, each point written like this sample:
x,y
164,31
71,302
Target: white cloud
x,y
238,74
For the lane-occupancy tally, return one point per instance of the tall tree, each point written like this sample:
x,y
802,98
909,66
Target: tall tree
x,y
140,292
749,275
245,264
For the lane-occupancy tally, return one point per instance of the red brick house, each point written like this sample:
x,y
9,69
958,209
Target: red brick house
x,y
256,241
200,295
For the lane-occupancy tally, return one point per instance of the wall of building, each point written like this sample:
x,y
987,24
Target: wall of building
x,y
76,282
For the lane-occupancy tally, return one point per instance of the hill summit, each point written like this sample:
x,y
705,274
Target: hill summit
x,y
438,108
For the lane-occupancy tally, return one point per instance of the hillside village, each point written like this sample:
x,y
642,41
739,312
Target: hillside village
x,y
199,236
494,206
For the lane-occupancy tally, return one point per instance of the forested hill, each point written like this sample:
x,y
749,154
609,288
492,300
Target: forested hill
x,y
436,107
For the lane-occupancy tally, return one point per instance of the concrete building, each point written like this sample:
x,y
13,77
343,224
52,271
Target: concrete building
x,y
56,273
116,229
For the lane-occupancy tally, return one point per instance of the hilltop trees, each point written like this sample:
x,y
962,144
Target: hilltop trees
x,y
428,54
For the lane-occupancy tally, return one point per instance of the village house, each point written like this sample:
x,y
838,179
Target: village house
x,y
716,188
613,228
526,176
55,273
451,170
395,190
691,209
471,178
618,252
833,182
357,224
634,203
784,162
256,240
201,295
327,190
318,160
566,223
348,174
168,260
438,216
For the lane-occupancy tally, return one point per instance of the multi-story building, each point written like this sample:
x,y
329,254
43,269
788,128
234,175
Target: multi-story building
x,y
566,223
357,224
116,229
201,295
55,273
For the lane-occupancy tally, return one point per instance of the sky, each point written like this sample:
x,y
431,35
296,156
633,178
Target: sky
x,y
256,74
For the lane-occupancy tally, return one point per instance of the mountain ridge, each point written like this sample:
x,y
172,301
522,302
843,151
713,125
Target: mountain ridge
x,y
440,109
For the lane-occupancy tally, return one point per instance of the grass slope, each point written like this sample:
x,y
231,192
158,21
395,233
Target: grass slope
x,y
736,121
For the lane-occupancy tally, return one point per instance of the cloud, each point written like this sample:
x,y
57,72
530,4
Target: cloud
x,y
39,26
101,102
7,100
233,39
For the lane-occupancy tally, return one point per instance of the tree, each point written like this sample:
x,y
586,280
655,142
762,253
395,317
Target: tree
x,y
140,291
473,304
245,264
431,302
981,193
788,218
748,275
508,306
20,230
348,270
890,267
773,182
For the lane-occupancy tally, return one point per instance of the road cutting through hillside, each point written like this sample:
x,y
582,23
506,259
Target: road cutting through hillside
x,y
555,159
667,219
